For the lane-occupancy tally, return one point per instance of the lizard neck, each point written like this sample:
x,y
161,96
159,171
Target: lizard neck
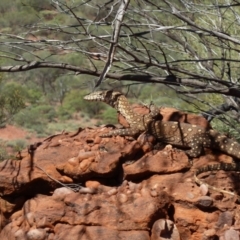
x,y
124,108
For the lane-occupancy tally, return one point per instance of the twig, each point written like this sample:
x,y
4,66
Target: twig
x,y
72,186
114,42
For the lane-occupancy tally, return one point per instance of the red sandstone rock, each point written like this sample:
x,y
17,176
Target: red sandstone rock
x,y
66,232
165,161
81,186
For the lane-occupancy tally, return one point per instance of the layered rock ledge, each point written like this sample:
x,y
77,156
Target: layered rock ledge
x,y
81,186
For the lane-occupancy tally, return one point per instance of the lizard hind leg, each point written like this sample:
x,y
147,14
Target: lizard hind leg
x,y
196,149
154,114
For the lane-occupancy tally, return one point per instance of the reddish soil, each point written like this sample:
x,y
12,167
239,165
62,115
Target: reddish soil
x,y
11,132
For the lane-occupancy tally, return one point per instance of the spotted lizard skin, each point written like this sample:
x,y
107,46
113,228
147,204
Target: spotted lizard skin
x,y
217,167
137,122
195,137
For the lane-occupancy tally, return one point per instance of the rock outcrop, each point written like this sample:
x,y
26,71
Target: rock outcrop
x,y
81,186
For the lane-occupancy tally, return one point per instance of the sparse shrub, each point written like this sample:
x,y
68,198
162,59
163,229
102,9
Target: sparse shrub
x,y
33,95
48,14
28,137
35,118
40,129
63,113
28,117
109,116
17,145
37,5
11,101
99,123
74,102
3,152
227,126
47,111
35,115
62,126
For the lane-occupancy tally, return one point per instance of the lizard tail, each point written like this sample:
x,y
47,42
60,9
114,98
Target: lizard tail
x,y
217,167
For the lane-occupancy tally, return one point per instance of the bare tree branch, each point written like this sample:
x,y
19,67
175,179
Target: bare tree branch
x,y
114,41
191,46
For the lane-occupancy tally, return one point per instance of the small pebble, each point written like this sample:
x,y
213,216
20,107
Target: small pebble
x,y
60,193
19,234
136,195
153,193
205,201
225,218
112,192
122,198
87,190
204,189
73,161
231,235
36,234
210,233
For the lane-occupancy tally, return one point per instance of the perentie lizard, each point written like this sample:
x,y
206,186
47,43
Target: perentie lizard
x,y
183,135
193,137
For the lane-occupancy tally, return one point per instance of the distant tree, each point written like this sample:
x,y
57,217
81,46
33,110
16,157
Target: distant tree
x,y
11,102
190,46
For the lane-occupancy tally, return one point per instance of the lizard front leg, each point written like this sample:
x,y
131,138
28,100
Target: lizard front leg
x,y
152,115
196,148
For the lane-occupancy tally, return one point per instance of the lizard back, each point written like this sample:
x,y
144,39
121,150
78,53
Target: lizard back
x,y
194,137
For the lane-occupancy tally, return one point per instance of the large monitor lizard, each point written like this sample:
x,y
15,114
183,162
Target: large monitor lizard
x,y
191,137
183,135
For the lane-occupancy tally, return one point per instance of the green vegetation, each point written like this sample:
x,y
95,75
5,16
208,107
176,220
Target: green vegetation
x,y
35,117
11,101
109,116
17,145
49,100
10,149
3,151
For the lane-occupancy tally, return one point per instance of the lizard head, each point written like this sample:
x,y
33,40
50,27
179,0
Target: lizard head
x,y
110,97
